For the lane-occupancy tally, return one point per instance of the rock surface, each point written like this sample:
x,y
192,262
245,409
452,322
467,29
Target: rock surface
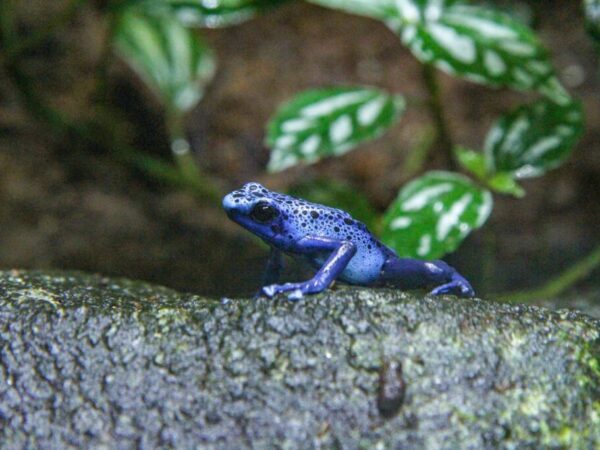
x,y
92,362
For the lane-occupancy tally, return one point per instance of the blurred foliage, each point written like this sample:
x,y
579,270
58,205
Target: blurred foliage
x,y
173,61
592,15
218,13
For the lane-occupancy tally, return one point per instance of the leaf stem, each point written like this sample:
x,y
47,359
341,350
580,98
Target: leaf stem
x,y
436,110
559,284
417,155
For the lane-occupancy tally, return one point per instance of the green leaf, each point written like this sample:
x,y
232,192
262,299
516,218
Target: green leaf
x,y
330,121
476,43
504,183
534,138
171,59
475,163
471,161
433,214
339,195
592,15
218,13
377,9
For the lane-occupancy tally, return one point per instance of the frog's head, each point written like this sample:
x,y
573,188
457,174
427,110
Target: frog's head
x,y
258,210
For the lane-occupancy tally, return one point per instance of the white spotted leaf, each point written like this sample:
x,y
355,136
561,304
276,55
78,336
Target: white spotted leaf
x,y
171,59
533,139
218,13
477,43
331,121
592,15
433,214
377,9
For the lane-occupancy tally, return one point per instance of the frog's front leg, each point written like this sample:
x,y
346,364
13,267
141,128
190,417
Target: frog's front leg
x,y
341,254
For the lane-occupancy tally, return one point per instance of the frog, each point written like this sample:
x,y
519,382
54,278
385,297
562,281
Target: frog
x,y
338,246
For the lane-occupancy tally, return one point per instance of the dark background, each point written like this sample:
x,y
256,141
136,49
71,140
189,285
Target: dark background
x,y
73,203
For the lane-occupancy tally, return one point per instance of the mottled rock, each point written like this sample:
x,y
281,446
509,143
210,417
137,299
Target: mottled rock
x,y
93,362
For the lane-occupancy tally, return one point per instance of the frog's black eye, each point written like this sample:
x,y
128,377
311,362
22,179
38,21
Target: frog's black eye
x,y
263,212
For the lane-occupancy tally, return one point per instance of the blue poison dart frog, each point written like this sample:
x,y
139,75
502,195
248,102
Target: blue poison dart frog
x,y
334,243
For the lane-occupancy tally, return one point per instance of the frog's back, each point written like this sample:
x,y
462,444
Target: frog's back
x,y
312,219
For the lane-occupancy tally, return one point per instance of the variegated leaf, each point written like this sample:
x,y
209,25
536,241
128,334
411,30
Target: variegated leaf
x,y
534,138
480,44
331,121
433,214
592,15
218,13
171,59
377,9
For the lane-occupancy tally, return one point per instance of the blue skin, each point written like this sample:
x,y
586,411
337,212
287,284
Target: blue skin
x,y
334,243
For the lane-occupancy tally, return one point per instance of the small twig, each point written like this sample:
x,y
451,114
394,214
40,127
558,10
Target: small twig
x,y
559,284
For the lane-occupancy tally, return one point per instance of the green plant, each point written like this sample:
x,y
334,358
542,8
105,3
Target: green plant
x,y
434,213
592,15
158,40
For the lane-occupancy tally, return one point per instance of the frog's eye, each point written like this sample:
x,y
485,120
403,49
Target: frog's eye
x,y
263,212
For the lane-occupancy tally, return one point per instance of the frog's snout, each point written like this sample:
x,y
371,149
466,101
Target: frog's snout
x,y
229,202
236,204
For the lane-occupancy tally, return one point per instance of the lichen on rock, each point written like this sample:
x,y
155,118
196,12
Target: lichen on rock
x,y
87,361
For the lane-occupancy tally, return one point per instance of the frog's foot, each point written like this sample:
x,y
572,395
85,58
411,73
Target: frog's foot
x,y
295,291
458,286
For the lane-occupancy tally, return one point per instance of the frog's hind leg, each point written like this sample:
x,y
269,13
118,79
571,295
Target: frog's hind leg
x,y
407,273
458,286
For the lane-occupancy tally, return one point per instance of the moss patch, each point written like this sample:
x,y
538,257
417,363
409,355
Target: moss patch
x,y
88,361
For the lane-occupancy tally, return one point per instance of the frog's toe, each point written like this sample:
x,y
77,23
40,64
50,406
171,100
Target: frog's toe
x,y
295,295
443,289
273,289
456,287
269,291
466,290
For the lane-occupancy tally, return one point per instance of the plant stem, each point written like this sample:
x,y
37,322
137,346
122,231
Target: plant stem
x,y
437,114
558,285
182,153
417,156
